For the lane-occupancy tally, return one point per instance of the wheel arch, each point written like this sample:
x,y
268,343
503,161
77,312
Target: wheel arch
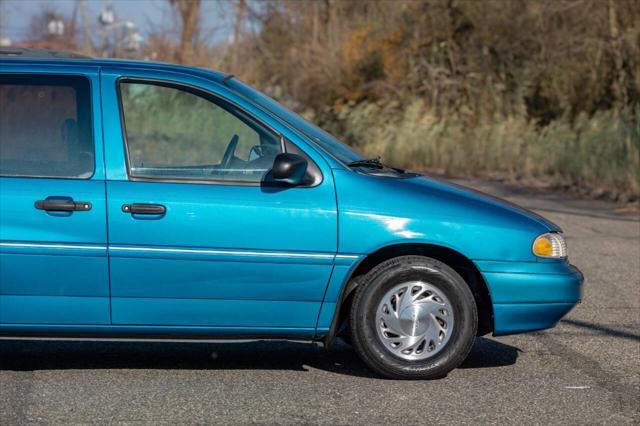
x,y
456,260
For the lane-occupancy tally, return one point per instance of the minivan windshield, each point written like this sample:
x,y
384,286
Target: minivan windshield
x,y
333,146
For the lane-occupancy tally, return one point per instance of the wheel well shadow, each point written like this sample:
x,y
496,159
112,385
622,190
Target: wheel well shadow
x,y
460,263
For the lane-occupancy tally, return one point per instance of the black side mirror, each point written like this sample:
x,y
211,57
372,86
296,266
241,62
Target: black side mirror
x,y
289,168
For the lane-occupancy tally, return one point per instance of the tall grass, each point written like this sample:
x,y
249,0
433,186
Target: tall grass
x,y
601,151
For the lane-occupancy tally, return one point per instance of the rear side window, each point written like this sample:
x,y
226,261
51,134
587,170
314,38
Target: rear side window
x,y
45,126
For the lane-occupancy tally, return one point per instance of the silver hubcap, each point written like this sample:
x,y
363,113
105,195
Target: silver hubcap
x,y
414,320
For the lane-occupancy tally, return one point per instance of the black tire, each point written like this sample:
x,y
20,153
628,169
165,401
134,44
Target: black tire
x,y
381,279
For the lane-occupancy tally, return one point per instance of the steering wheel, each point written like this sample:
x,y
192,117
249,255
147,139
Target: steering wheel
x,y
264,150
228,153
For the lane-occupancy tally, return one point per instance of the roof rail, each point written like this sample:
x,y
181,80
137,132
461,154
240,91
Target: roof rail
x,y
38,53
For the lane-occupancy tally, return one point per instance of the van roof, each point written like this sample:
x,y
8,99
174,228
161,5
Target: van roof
x,y
43,56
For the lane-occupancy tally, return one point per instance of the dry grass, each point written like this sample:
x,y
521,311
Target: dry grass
x,y
602,151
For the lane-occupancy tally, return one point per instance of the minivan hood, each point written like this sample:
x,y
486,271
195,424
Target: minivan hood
x,y
471,194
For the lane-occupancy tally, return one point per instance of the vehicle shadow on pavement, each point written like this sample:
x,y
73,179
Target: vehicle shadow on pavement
x,y
489,353
340,358
601,329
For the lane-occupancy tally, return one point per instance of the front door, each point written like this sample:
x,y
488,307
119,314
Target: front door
x,y
53,254
195,238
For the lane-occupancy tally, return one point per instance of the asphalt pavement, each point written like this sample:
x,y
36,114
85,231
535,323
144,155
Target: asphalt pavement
x,y
586,370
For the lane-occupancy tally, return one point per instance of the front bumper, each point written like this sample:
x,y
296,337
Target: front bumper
x,y
529,296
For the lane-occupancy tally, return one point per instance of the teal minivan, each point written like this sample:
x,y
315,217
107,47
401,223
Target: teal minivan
x,y
151,200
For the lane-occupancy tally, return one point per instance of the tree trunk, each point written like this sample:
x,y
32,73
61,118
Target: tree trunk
x,y
241,8
189,11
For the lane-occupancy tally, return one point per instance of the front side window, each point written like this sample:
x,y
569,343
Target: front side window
x,y
45,126
175,133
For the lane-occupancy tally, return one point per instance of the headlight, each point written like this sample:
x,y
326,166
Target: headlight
x,y
550,245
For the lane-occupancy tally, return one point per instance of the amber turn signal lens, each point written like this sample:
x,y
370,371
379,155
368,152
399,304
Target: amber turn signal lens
x,y
550,245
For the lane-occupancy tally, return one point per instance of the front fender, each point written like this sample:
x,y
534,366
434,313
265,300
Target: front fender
x,y
375,212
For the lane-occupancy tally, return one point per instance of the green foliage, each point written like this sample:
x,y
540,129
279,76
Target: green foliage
x,y
173,127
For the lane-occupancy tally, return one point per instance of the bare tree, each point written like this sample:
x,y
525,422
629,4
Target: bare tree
x,y
189,11
241,8
87,47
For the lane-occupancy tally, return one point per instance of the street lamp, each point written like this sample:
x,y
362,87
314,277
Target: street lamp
x,y
55,27
117,33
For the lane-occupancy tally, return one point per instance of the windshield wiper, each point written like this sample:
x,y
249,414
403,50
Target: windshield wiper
x,y
370,162
376,163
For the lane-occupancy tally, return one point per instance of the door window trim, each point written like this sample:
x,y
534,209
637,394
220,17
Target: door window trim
x,y
37,76
218,101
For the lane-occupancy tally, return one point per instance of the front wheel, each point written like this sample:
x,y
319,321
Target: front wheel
x,y
413,317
